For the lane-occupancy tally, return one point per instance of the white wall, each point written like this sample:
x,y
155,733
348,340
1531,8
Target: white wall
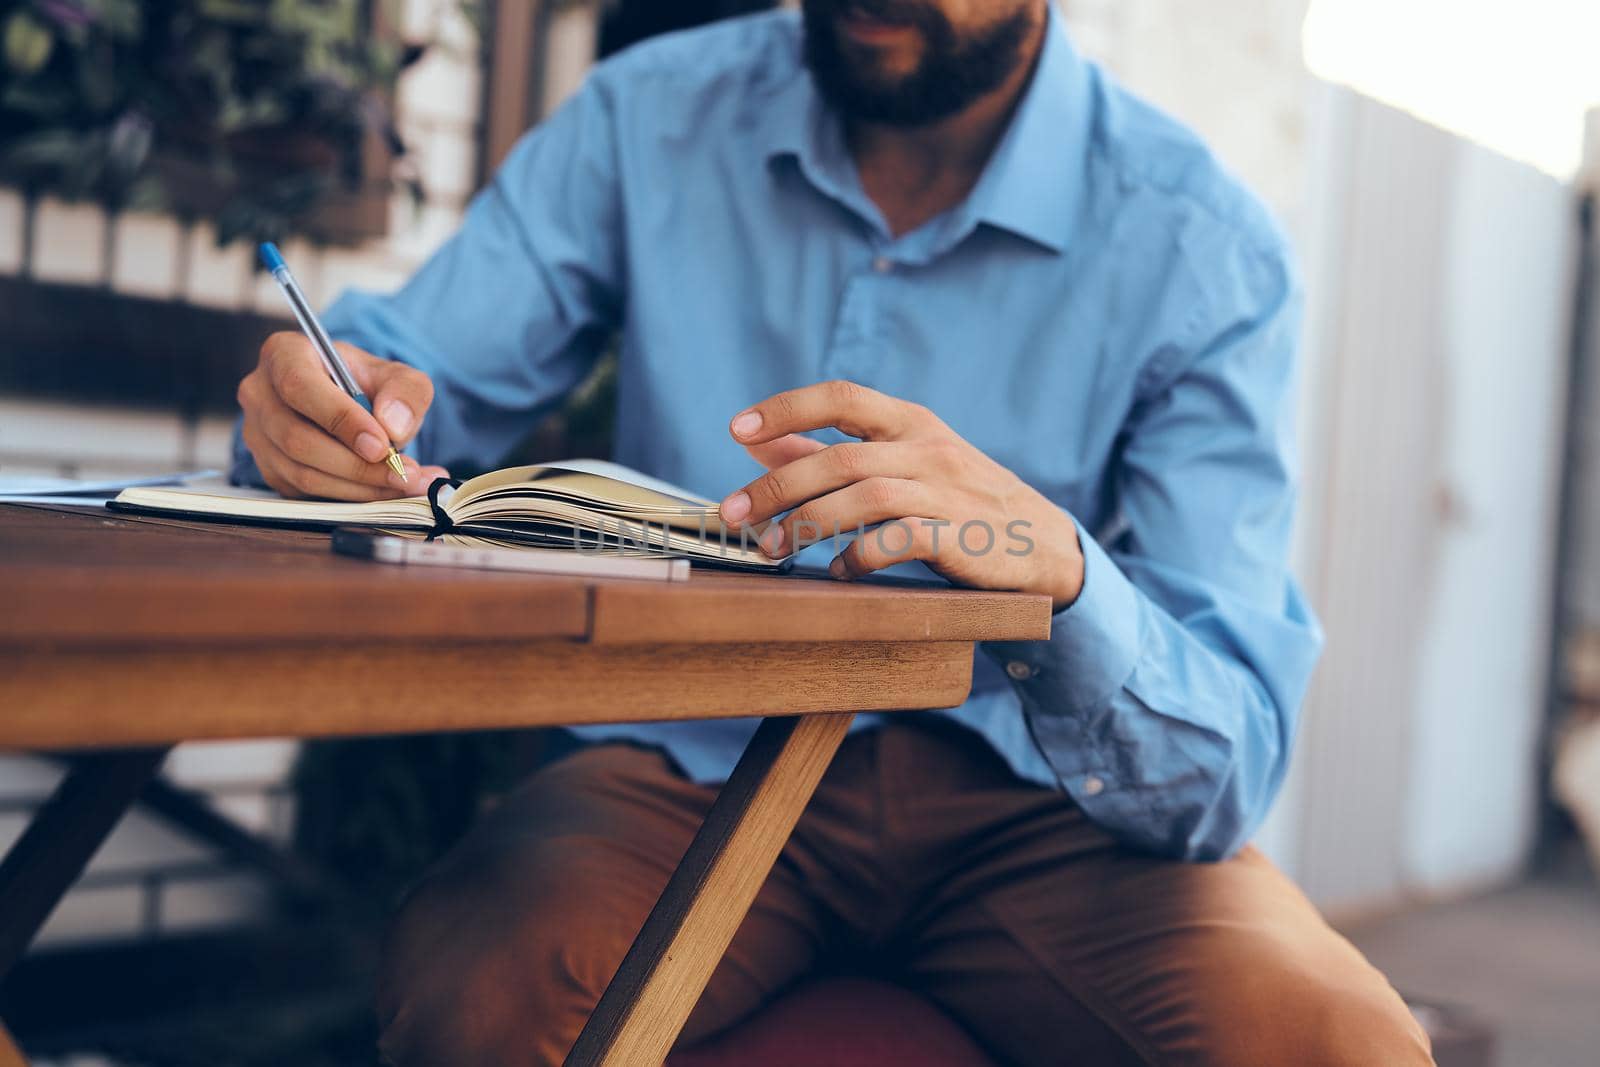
x,y
1482,664
1443,280
1232,70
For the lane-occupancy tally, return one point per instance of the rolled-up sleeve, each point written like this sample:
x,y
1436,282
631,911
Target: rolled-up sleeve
x,y
1166,696
509,315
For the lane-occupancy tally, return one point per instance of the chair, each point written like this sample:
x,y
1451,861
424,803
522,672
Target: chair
x,y
841,1022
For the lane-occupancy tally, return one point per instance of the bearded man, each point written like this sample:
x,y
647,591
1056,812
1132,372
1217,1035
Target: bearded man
x,y
926,265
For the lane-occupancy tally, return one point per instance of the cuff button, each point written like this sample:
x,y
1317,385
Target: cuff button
x,y
1093,786
1019,670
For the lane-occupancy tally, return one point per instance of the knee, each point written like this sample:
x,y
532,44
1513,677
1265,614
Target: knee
x,y
498,960
1334,1026
1289,1012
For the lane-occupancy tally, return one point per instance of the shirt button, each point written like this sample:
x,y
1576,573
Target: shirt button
x,y
883,264
1019,670
1093,786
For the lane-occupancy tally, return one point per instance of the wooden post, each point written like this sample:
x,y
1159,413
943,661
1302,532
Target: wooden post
x,y
1588,178
656,987
10,1054
513,81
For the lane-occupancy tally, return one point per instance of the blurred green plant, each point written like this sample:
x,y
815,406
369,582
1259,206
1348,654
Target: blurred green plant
x,y
268,101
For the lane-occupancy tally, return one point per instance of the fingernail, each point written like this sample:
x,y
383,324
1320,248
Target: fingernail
x,y
370,448
736,506
396,418
772,540
836,568
746,423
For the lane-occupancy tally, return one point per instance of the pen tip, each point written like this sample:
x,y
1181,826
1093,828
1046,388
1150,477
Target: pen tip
x,y
396,464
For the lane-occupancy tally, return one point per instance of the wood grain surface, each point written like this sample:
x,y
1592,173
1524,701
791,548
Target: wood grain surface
x,y
104,579
86,698
717,607
100,579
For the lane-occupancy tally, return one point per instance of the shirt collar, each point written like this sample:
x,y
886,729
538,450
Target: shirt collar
x,y
1033,184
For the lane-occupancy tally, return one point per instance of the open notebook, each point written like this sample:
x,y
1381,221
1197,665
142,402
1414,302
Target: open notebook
x,y
584,504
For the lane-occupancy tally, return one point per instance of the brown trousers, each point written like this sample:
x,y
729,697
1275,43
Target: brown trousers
x,y
925,859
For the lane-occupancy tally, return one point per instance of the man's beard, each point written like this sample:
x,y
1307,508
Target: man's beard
x,y
953,72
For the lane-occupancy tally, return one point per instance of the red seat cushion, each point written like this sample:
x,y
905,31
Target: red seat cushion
x,y
841,1022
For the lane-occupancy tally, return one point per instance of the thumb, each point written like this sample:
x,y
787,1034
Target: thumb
x,y
786,449
400,395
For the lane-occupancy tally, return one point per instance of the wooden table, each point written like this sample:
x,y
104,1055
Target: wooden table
x,y
129,635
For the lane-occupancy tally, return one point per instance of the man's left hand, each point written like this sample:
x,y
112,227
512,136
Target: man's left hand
x,y
932,495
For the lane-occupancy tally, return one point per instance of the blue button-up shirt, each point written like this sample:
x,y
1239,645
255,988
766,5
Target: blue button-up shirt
x,y
1108,314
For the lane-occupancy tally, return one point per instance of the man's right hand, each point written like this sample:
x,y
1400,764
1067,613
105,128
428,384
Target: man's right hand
x,y
311,440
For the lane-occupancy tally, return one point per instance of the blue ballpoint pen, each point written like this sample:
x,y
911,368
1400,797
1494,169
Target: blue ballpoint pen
x,y
312,328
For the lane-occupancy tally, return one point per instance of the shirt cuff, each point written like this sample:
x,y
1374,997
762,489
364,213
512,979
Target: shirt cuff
x,y
1070,682
1093,644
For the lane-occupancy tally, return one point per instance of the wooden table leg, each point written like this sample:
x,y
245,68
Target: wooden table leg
x,y
648,1001
63,835
10,1054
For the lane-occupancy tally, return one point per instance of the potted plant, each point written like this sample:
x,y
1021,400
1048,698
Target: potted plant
x,y
270,116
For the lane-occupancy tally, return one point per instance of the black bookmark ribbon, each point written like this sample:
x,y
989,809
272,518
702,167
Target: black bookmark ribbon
x,y
442,522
